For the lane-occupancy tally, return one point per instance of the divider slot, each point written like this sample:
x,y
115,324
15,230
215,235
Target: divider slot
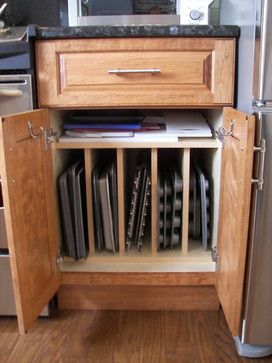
x,y
89,165
70,176
121,200
154,201
138,192
185,199
103,201
204,199
172,168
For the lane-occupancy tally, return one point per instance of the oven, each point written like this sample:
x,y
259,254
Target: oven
x,y
15,93
141,12
15,96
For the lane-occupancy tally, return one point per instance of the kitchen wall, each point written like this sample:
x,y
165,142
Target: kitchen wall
x,y
242,13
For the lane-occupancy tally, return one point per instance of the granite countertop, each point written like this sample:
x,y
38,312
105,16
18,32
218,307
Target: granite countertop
x,y
130,31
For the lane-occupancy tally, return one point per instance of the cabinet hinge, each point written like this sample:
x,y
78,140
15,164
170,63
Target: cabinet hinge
x,y
214,254
58,260
221,132
49,137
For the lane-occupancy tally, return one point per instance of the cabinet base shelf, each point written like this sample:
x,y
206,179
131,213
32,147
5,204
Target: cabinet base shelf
x,y
197,260
130,143
157,265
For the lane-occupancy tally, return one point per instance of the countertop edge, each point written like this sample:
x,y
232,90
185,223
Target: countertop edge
x,y
142,31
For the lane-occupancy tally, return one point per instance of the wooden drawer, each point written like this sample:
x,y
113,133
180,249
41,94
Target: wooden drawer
x,y
196,72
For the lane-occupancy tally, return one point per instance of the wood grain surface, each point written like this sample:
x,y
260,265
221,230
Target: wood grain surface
x,y
30,213
139,279
122,337
194,72
138,297
197,143
236,175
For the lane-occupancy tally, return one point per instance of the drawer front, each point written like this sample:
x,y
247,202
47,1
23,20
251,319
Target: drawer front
x,y
164,72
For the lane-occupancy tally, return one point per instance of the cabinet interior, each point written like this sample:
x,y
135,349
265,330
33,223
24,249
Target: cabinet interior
x,y
188,255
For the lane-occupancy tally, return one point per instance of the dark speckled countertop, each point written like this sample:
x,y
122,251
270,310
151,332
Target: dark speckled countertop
x,y
130,31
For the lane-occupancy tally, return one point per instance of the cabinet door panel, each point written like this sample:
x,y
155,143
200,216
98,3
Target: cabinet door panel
x,y
236,176
28,191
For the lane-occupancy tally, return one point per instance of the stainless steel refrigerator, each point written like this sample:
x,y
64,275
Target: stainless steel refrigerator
x,y
254,95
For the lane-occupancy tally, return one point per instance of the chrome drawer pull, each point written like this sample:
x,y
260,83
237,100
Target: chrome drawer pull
x,y
119,72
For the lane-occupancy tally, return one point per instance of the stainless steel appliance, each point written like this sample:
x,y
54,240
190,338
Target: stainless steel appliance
x,y
7,303
122,12
15,96
43,13
15,93
199,12
255,96
3,233
141,12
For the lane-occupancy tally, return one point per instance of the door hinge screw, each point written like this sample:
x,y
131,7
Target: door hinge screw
x,y
59,259
214,254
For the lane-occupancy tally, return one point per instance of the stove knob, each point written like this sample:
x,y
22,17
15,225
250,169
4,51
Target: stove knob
x,y
195,14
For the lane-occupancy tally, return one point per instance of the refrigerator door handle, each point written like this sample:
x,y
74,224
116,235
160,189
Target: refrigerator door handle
x,y
262,89
262,150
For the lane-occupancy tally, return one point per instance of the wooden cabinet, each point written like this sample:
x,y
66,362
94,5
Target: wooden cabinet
x,y
236,175
164,72
30,166
28,192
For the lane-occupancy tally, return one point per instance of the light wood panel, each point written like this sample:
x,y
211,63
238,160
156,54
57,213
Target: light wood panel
x,y
185,200
121,201
154,201
139,279
224,63
130,143
169,261
137,297
236,175
30,213
194,72
89,164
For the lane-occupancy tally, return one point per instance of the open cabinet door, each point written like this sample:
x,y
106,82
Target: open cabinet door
x,y
236,177
28,192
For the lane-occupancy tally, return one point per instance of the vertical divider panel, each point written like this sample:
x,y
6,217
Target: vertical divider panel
x,y
185,200
121,200
89,161
154,201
